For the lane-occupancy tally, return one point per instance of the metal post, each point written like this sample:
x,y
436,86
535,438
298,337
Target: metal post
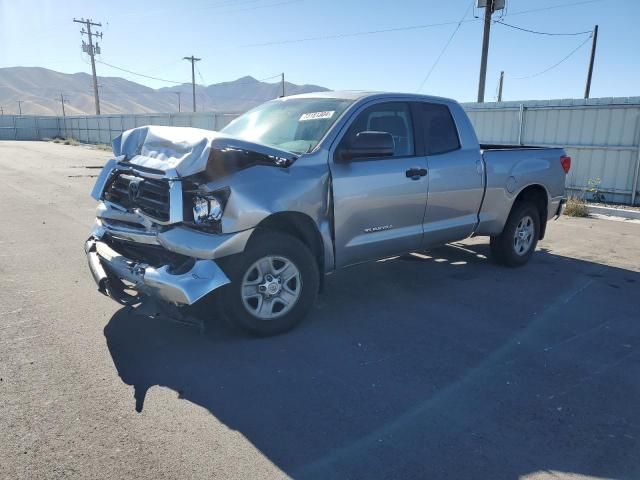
x,y
193,61
635,179
500,86
62,102
488,11
521,124
587,89
637,169
92,50
283,84
93,70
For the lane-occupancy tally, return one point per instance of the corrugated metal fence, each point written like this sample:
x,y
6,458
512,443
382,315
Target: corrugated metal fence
x,y
602,135
28,127
103,128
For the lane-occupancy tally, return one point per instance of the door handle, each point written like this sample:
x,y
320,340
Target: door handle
x,y
416,173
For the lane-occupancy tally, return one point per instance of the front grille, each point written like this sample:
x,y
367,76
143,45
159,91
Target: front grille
x,y
151,196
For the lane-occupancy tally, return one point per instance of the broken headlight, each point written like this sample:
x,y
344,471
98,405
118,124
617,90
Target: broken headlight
x,y
208,208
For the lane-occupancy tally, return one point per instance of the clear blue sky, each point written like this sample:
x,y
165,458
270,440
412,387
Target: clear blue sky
x,y
152,37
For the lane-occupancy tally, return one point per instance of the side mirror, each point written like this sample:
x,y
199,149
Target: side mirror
x,y
368,145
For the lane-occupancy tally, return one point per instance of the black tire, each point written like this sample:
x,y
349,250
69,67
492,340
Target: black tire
x,y
268,244
504,248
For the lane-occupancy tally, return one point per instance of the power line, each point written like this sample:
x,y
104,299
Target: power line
x,y
355,34
500,22
180,83
200,75
140,74
406,28
446,45
555,64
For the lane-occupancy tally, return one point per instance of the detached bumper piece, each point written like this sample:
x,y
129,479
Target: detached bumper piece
x,y
117,276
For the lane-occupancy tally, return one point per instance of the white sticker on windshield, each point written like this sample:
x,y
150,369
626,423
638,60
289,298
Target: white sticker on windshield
x,y
316,115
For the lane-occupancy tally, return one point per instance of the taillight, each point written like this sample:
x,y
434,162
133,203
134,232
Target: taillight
x,y
565,161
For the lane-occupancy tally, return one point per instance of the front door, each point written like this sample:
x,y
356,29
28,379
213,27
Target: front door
x,y
379,203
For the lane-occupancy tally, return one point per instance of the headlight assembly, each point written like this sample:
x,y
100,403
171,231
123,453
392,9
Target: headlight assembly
x,y
207,208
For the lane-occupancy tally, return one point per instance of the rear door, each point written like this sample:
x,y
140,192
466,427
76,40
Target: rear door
x,y
456,183
378,204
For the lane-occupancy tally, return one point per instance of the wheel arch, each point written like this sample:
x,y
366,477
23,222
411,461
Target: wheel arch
x,y
300,226
538,195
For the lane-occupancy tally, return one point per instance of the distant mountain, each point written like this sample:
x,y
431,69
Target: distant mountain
x,y
39,90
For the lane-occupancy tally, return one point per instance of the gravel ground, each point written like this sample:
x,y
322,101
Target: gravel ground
x,y
437,365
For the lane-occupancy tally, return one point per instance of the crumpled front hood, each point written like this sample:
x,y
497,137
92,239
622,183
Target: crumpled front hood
x,y
185,150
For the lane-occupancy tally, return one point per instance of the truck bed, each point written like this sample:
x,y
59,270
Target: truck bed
x,y
492,146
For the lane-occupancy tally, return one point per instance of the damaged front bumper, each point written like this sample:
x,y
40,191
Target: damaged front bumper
x,y
132,255
117,275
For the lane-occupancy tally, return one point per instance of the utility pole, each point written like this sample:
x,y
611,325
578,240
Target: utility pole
x,y
193,61
488,11
500,86
91,50
20,102
1,110
62,100
283,84
178,94
593,57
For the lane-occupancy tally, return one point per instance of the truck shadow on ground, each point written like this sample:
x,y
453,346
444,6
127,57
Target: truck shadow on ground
x,y
436,365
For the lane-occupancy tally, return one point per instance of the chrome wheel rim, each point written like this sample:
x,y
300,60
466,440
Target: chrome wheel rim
x,y
271,287
523,237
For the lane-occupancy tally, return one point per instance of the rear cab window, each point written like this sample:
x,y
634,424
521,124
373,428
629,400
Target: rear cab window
x,y
439,128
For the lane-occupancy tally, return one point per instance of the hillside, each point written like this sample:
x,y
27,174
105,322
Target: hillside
x,y
39,89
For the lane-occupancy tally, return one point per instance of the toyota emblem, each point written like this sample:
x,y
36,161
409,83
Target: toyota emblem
x,y
134,190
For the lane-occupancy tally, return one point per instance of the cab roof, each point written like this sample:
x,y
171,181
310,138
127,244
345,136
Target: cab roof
x,y
362,94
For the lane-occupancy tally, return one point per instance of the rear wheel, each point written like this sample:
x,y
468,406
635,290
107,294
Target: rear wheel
x,y
274,283
518,240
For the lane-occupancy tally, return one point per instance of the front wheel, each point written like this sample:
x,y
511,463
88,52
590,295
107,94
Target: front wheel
x,y
518,240
274,284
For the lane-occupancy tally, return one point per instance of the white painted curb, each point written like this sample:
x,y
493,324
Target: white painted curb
x,y
616,212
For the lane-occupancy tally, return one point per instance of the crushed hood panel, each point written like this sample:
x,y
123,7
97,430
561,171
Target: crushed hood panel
x,y
185,150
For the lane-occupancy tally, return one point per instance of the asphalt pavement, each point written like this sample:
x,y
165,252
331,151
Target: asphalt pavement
x,y
435,365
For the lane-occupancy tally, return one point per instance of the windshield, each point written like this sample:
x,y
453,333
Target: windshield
x,y
295,125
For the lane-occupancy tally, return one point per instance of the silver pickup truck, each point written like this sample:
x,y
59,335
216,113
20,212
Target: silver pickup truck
x,y
300,187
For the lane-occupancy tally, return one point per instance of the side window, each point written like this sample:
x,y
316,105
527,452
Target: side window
x,y
440,133
393,118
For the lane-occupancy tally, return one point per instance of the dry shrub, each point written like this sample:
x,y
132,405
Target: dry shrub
x,y
576,207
